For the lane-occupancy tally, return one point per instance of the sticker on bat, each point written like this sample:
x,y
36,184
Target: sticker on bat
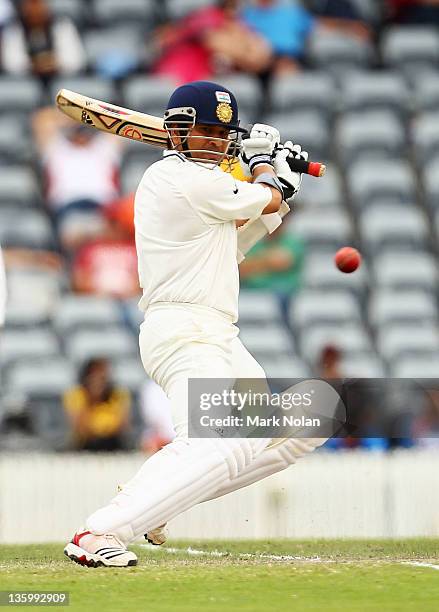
x,y
130,131
85,118
113,109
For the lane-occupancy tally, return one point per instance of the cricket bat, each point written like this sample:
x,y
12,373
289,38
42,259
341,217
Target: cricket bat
x,y
138,126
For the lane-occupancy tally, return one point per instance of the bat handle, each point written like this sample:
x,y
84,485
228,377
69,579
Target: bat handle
x,y
307,167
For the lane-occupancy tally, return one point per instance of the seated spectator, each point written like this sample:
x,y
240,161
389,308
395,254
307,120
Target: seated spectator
x,y
40,44
285,26
81,168
413,11
156,414
98,411
341,15
275,264
210,41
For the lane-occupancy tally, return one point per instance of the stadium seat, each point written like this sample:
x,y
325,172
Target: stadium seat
x,y
148,94
46,376
351,338
129,373
368,179
377,134
19,94
426,93
31,230
133,170
18,186
338,54
430,178
285,366
388,306
411,50
130,12
425,136
321,273
74,9
393,227
34,289
322,228
116,343
326,194
114,52
16,345
15,142
78,312
270,340
22,315
367,365
307,128
396,341
424,365
406,270
375,90
258,307
93,86
180,8
303,92
247,90
314,307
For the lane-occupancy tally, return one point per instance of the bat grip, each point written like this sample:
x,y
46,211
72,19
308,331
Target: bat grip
x,y
306,167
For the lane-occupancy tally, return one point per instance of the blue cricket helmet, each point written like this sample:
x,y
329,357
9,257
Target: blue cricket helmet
x,y
213,105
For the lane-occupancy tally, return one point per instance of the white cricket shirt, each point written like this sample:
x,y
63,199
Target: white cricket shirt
x,y
186,237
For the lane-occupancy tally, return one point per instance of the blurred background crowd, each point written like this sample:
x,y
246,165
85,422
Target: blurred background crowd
x,y
356,82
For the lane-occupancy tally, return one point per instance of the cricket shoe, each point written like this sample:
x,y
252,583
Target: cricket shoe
x,y
157,536
92,550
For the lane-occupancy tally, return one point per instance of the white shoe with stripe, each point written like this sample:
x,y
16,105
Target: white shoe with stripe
x,y
92,550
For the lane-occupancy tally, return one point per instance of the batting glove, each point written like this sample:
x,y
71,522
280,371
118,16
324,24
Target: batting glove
x,y
290,180
259,147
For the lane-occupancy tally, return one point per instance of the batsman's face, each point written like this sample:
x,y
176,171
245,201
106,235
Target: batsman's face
x,y
210,142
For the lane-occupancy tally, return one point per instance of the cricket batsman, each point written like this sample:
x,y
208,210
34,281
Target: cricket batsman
x,y
187,215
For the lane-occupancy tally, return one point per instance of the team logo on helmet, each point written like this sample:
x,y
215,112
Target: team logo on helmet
x,y
224,112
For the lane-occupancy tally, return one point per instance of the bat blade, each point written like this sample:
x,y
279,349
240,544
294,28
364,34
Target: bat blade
x,y
112,119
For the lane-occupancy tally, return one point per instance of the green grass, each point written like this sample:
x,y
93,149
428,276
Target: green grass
x,y
330,576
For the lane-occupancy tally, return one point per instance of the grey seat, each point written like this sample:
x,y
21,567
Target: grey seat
x,y
388,306
133,170
270,340
351,338
322,228
45,376
91,312
136,12
307,128
18,185
248,93
129,373
376,134
111,42
425,135
74,9
336,53
396,341
375,90
326,194
285,366
426,93
430,178
410,50
258,307
305,91
321,273
180,8
15,141
31,288
366,365
19,94
93,86
30,230
368,179
314,307
112,344
423,365
393,227
29,343
406,270
148,94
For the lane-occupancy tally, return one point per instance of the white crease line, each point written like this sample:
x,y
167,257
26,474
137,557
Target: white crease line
x,y
217,553
420,564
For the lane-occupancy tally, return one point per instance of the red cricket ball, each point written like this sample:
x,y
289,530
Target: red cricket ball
x,y
347,259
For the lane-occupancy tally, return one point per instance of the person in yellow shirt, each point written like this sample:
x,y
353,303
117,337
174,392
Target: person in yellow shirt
x,y
98,411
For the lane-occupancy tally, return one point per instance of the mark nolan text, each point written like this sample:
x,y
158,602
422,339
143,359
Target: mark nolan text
x,y
284,420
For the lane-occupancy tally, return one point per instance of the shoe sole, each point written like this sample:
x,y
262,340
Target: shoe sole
x,y
82,557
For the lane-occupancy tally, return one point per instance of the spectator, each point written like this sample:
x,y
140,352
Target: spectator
x,y
81,170
413,11
341,15
210,41
425,427
275,264
156,414
97,410
286,27
40,44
